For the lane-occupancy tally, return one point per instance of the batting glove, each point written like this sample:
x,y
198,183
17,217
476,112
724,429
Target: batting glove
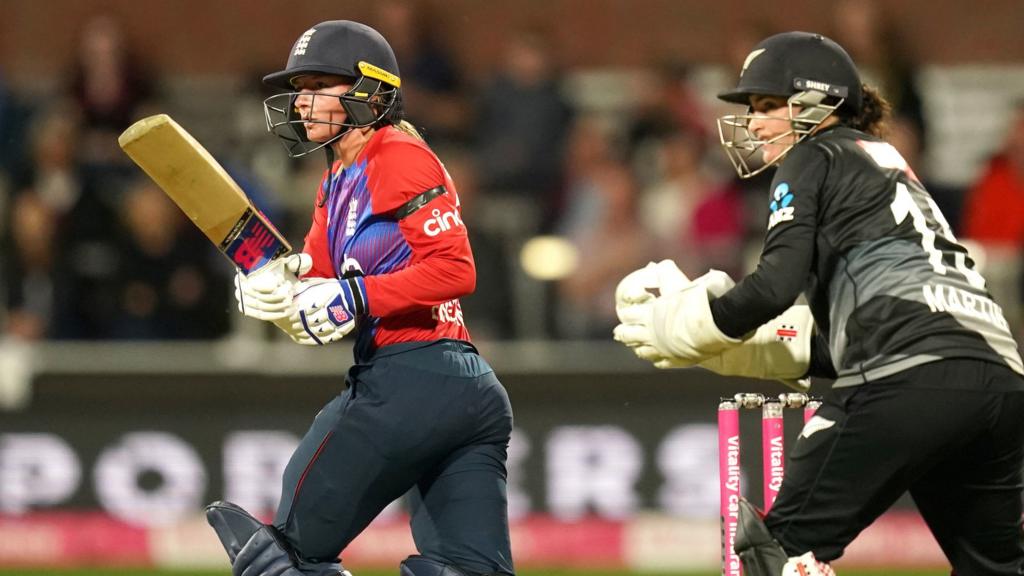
x,y
266,294
319,313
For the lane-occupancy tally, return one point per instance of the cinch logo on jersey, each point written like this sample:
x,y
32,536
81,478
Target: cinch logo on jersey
x,y
441,222
780,206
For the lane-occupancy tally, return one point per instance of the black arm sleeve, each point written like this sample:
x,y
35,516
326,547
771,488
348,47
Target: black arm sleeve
x,y
788,252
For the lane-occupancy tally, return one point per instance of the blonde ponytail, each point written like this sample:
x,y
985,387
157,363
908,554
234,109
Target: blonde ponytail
x,y
409,129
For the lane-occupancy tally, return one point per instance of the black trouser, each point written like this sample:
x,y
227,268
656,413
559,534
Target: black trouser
x,y
950,432
432,419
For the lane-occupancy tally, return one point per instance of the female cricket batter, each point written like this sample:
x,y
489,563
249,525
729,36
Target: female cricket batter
x,y
928,395
388,257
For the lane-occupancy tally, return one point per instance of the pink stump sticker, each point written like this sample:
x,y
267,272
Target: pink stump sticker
x,y
729,482
772,451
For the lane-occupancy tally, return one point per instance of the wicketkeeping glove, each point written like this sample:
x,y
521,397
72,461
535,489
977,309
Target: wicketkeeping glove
x,y
778,350
639,321
648,283
266,294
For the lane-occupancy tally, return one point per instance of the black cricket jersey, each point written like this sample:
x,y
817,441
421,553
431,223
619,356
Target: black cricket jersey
x,y
889,286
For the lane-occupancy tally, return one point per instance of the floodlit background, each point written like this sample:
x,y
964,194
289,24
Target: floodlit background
x,y
581,137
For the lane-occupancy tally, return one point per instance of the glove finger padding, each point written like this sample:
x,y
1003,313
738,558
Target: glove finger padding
x,y
299,264
328,326
292,326
633,335
261,305
636,313
268,279
318,313
778,350
670,278
649,282
266,294
635,288
716,283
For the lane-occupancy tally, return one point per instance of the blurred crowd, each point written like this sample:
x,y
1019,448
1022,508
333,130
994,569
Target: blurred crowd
x,y
92,250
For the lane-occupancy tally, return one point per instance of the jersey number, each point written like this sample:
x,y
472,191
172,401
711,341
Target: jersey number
x,y
904,205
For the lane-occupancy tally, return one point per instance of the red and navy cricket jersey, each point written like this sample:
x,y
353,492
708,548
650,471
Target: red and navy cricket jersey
x,y
416,268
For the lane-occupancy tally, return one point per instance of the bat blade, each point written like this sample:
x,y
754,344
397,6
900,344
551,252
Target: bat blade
x,y
204,191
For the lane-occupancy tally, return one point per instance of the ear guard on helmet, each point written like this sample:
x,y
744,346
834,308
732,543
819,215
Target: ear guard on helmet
x,y
360,101
743,148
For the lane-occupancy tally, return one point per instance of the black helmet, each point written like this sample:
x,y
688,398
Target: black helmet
x,y
813,74
793,62
339,47
343,48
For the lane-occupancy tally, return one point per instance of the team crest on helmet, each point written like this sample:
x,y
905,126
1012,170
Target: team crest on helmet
x,y
303,42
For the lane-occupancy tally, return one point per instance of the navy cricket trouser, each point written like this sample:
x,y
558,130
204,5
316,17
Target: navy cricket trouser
x,y
426,418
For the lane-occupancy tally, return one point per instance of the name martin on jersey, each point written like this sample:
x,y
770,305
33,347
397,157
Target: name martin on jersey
x,y
945,298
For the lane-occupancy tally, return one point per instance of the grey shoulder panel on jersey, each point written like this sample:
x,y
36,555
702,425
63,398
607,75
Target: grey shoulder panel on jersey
x,y
890,308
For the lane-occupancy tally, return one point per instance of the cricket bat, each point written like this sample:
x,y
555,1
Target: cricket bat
x,y
204,191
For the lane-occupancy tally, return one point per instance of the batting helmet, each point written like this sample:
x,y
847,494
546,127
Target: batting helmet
x,y
343,48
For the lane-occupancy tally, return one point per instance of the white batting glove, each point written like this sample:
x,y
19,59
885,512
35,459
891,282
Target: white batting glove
x,y
266,294
319,314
